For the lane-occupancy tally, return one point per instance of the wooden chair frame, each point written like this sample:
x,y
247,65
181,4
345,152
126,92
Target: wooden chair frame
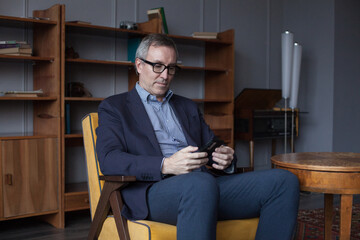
x,y
111,202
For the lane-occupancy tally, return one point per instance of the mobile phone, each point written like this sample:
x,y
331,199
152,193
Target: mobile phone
x,y
210,146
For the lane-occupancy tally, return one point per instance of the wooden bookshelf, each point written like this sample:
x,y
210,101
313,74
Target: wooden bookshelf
x,y
31,173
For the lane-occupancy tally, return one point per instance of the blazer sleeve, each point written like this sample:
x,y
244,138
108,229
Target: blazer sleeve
x,y
122,147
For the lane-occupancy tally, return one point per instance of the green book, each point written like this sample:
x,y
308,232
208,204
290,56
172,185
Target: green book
x,y
165,28
154,12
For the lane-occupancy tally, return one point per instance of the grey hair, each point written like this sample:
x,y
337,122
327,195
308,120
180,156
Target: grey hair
x,y
157,40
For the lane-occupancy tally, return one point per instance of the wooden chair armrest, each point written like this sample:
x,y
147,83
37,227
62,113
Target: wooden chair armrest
x,y
116,178
110,198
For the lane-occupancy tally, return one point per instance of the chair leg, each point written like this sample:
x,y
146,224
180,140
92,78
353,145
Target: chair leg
x,y
116,204
102,209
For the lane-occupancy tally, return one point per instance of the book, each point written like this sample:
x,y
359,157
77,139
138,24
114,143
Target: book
x,y
13,45
15,50
159,13
35,93
67,118
12,42
133,44
18,54
206,35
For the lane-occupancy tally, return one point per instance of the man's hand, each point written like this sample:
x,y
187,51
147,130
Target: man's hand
x,y
184,161
223,156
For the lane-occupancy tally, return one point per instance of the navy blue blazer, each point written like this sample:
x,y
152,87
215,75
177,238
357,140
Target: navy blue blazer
x,y
127,144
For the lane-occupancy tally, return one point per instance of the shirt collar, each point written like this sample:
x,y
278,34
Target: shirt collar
x,y
146,96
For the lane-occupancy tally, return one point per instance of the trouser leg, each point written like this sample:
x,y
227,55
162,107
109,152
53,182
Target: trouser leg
x,y
189,201
272,194
195,201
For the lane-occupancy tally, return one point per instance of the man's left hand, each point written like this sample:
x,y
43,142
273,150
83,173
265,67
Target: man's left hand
x,y
223,157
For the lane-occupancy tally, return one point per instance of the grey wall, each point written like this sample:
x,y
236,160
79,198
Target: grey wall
x,y
347,76
313,25
328,30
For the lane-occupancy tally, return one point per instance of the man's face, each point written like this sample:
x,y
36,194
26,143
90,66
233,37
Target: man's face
x,y
156,84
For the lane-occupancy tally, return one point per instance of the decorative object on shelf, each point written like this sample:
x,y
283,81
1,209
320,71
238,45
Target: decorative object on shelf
x,y
77,89
70,53
129,25
205,35
159,13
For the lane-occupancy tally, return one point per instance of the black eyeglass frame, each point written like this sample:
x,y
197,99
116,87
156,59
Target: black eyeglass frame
x,y
177,68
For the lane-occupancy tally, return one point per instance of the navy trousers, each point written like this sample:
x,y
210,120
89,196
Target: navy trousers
x,y
194,202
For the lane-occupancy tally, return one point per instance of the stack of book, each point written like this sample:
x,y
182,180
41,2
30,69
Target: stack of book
x,y
159,13
35,93
205,35
17,48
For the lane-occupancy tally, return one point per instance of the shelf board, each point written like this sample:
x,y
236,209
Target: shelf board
x,y
74,135
85,99
135,33
21,21
3,98
94,61
76,196
28,58
200,40
27,135
102,30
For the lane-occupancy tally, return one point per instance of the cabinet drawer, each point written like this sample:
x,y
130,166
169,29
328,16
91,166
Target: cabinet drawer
x,y
76,201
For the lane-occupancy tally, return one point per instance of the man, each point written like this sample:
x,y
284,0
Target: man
x,y
154,134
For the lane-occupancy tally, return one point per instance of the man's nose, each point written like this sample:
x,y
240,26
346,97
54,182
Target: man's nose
x,y
165,73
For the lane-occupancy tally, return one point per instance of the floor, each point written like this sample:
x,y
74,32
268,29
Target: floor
x,y
77,223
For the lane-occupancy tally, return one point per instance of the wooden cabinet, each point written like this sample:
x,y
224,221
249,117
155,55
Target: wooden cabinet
x,y
30,166
29,170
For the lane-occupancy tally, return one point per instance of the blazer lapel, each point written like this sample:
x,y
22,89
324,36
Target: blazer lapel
x,y
137,109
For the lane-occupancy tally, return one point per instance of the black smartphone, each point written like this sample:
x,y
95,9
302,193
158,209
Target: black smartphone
x,y
210,146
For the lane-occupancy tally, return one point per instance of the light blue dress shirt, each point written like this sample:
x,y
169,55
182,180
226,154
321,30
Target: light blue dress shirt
x,y
167,128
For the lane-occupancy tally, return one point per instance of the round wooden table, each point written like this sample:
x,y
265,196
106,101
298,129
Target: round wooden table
x,y
329,173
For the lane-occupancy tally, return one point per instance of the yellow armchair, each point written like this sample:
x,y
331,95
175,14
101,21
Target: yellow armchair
x,y
106,204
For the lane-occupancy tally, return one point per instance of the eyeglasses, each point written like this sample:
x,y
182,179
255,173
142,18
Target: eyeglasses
x,y
159,67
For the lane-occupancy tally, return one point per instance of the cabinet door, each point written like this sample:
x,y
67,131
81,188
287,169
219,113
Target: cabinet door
x,y
29,171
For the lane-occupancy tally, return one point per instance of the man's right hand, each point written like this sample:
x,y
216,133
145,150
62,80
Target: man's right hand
x,y
184,161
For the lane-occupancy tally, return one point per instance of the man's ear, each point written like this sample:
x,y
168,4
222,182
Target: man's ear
x,y
138,65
